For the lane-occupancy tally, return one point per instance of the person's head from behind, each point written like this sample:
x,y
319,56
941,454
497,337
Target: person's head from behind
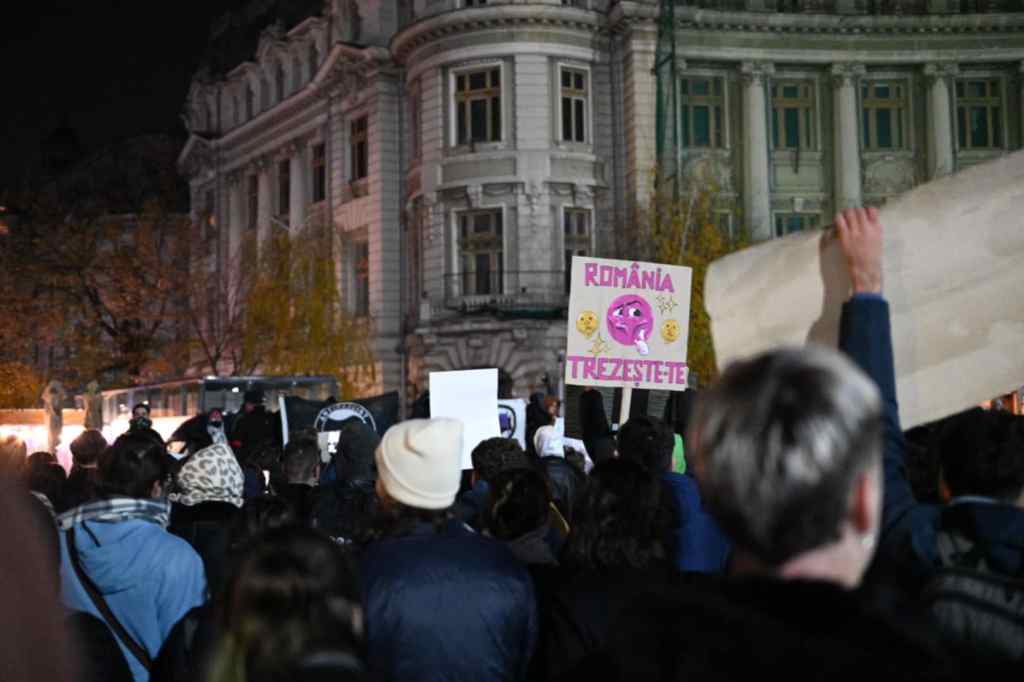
x,y
982,453
261,515
357,444
87,448
12,455
134,466
293,594
252,399
211,474
520,503
490,457
619,522
788,451
418,473
648,442
302,460
44,475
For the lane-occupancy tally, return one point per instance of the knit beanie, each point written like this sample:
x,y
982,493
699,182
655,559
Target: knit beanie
x,y
210,475
418,462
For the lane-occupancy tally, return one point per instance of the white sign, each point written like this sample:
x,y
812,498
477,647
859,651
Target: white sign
x,y
512,419
953,275
628,324
471,396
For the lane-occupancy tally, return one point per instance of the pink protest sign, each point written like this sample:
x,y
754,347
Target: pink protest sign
x,y
628,324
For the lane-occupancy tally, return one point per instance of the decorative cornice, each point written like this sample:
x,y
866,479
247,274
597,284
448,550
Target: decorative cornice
x,y
503,17
845,74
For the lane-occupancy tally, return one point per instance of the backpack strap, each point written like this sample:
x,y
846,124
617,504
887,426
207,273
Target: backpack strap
x,y
137,650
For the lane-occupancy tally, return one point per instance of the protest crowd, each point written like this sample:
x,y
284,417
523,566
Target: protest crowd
x,y
779,526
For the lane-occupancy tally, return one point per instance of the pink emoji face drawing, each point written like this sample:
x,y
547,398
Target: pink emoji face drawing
x,y
630,321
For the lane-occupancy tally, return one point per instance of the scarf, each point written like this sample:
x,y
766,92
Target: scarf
x,y
115,510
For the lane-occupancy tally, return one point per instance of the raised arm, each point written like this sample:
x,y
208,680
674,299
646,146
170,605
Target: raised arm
x,y
866,336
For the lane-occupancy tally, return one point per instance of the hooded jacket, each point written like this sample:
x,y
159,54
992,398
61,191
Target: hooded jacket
x,y
347,501
149,578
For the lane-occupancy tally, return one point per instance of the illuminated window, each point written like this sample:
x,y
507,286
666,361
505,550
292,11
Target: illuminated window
x,y
979,113
481,252
478,106
574,104
884,115
701,112
793,114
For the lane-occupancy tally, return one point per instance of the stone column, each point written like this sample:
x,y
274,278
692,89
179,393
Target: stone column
x,y
299,196
1020,82
845,79
236,233
264,211
756,189
940,123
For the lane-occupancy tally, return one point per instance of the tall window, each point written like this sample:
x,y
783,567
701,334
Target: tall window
x,y
793,115
264,94
576,226
237,108
284,189
478,106
787,223
279,78
319,172
209,215
361,279
474,3
296,74
885,114
250,102
979,113
574,105
414,124
313,57
252,201
481,252
358,145
701,112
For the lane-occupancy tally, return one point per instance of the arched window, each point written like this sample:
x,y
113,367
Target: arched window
x,y
279,77
314,60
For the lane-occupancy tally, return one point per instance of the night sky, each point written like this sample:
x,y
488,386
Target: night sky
x,y
114,69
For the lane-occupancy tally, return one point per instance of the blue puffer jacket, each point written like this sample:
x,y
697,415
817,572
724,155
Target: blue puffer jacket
x,y
447,606
700,545
149,577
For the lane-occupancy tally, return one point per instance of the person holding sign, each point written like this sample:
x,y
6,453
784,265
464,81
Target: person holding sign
x,y
788,447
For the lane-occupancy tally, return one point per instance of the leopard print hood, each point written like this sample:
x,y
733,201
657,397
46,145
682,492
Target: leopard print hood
x,y
210,475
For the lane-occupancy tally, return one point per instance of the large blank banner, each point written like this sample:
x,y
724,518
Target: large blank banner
x,y
954,278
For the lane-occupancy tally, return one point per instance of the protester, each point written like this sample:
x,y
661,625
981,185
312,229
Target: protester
x,y
489,457
618,547
46,479
698,542
12,455
442,602
205,504
302,472
519,513
291,613
253,428
80,487
34,644
787,446
566,480
141,424
537,415
120,564
347,503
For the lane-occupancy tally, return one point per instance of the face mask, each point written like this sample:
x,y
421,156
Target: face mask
x,y
216,425
141,422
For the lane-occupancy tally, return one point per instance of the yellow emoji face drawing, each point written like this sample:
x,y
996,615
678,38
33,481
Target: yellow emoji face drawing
x,y
670,331
586,323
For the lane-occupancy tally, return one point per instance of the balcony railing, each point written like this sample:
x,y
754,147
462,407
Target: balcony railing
x,y
509,291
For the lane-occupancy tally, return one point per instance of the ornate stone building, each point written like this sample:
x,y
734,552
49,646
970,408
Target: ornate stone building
x,y
465,149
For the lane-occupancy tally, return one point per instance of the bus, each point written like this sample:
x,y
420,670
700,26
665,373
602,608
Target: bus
x,y
172,402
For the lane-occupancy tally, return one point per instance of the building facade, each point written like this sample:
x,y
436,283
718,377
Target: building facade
x,y
463,150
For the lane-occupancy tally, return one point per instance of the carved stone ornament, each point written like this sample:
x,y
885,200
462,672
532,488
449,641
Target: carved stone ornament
x,y
847,74
943,70
756,72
